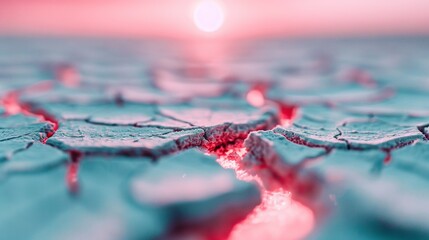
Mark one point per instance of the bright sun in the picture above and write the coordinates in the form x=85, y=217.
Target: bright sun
x=208, y=16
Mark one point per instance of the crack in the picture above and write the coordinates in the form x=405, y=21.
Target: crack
x=297, y=139
x=305, y=162
x=88, y=120
x=13, y=105
x=15, y=137
x=174, y=119
x=173, y=129
x=72, y=179
x=421, y=128
x=15, y=152
x=221, y=138
x=388, y=157
x=338, y=137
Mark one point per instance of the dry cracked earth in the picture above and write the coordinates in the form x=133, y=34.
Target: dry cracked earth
x=122, y=139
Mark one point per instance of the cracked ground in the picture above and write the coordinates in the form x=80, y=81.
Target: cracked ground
x=114, y=139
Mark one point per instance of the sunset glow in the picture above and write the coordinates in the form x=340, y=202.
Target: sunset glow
x=208, y=16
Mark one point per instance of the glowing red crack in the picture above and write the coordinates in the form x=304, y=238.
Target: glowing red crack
x=278, y=217
x=72, y=179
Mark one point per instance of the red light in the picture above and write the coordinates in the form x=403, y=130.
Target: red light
x=255, y=97
x=287, y=114
x=277, y=217
x=72, y=179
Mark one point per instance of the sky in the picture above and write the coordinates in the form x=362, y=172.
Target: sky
x=243, y=18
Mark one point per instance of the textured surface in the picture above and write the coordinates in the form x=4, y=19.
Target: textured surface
x=279, y=140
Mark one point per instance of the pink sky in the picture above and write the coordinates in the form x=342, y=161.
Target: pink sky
x=244, y=18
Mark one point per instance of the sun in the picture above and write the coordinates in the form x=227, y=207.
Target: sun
x=208, y=16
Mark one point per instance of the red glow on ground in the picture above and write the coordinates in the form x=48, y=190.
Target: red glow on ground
x=360, y=76
x=287, y=113
x=231, y=160
x=67, y=75
x=71, y=177
x=255, y=97
x=388, y=157
x=13, y=106
x=277, y=217
x=11, y=101
x=72, y=172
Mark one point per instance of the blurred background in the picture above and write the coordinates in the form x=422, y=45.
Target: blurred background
x=242, y=18
x=259, y=65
